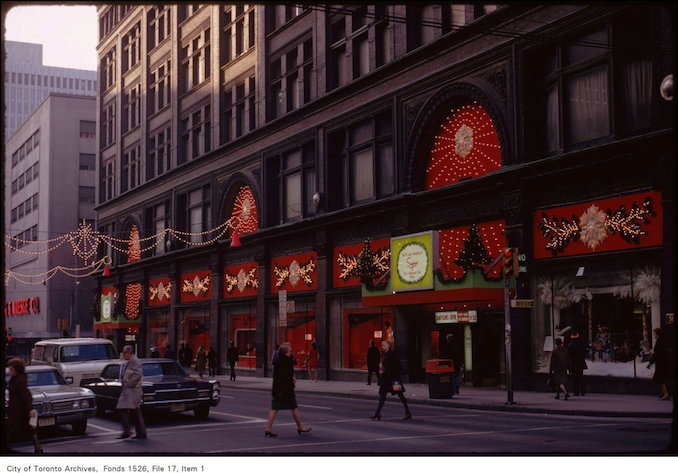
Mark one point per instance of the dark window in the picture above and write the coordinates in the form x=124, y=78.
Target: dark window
x=292, y=183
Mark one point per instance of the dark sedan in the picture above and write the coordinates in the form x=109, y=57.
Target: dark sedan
x=167, y=388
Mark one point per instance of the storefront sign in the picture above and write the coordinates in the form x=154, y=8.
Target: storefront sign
x=457, y=317
x=22, y=306
x=413, y=258
x=106, y=307
x=633, y=221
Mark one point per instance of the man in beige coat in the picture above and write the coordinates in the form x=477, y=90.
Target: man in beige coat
x=130, y=398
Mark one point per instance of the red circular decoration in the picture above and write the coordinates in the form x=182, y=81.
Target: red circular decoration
x=244, y=213
x=466, y=146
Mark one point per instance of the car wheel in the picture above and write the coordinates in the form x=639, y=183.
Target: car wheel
x=202, y=412
x=79, y=427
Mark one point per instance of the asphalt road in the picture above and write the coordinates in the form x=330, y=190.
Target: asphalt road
x=342, y=426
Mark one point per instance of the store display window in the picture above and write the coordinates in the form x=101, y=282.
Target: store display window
x=361, y=326
x=613, y=307
x=194, y=327
x=158, y=332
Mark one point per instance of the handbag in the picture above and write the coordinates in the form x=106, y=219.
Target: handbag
x=33, y=420
x=396, y=385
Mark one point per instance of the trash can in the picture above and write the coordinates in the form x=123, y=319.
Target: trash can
x=439, y=375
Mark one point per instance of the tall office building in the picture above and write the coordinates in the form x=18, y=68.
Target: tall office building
x=248, y=152
x=49, y=193
x=27, y=82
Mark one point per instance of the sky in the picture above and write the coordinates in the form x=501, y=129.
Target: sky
x=68, y=33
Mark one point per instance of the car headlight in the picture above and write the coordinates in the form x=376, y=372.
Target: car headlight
x=76, y=405
x=84, y=403
x=216, y=390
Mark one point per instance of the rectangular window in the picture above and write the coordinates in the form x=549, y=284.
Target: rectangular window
x=159, y=156
x=159, y=88
x=87, y=162
x=196, y=134
x=86, y=194
x=131, y=48
x=131, y=108
x=106, y=69
x=107, y=125
x=195, y=62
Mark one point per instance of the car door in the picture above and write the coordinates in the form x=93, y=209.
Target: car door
x=108, y=389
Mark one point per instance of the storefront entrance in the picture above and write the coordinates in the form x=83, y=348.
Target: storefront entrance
x=478, y=335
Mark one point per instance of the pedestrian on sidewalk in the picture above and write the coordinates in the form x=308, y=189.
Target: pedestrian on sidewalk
x=20, y=406
x=312, y=363
x=129, y=402
x=560, y=365
x=373, y=356
x=200, y=360
x=181, y=356
x=577, y=352
x=391, y=382
x=661, y=360
x=212, y=362
x=283, y=390
x=232, y=358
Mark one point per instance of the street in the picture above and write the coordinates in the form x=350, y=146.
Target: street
x=342, y=426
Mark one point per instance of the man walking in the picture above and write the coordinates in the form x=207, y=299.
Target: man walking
x=373, y=358
x=129, y=401
x=232, y=357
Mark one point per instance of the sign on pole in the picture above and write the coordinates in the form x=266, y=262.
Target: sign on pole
x=282, y=308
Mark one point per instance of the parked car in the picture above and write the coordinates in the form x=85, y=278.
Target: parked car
x=56, y=401
x=167, y=387
x=79, y=359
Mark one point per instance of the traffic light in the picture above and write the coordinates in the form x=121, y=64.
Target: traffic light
x=510, y=262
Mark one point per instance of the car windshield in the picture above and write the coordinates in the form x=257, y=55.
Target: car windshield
x=41, y=378
x=163, y=369
x=45, y=378
x=88, y=352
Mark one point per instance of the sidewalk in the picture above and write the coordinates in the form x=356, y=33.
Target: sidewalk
x=594, y=404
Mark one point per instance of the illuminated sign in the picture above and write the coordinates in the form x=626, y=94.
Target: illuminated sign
x=106, y=307
x=413, y=259
x=22, y=306
x=457, y=317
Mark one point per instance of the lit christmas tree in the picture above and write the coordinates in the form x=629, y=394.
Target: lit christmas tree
x=473, y=255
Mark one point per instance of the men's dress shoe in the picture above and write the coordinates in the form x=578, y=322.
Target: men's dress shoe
x=139, y=436
x=124, y=436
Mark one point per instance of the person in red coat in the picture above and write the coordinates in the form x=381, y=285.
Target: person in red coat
x=20, y=407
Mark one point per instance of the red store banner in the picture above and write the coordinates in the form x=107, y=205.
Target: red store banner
x=159, y=291
x=196, y=286
x=241, y=280
x=346, y=261
x=633, y=221
x=294, y=273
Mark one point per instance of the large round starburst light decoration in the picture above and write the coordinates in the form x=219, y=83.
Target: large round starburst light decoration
x=466, y=146
x=244, y=213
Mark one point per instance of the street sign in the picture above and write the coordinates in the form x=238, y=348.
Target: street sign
x=522, y=303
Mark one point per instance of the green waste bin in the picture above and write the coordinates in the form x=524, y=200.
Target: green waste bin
x=439, y=376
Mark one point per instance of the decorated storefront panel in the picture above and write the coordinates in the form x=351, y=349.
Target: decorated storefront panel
x=241, y=280
x=196, y=286
x=294, y=273
x=413, y=260
x=366, y=260
x=618, y=223
x=159, y=291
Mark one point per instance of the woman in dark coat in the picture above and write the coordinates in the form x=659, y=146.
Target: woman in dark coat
x=20, y=406
x=390, y=373
x=560, y=365
x=661, y=360
x=283, y=390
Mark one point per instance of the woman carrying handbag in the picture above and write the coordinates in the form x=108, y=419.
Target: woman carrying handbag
x=390, y=381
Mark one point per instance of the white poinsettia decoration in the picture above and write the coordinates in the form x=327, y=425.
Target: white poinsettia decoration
x=592, y=225
x=463, y=140
x=647, y=285
x=558, y=292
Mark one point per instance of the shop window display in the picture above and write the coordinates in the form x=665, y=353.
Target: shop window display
x=243, y=331
x=361, y=326
x=613, y=307
x=299, y=332
x=194, y=328
x=158, y=336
